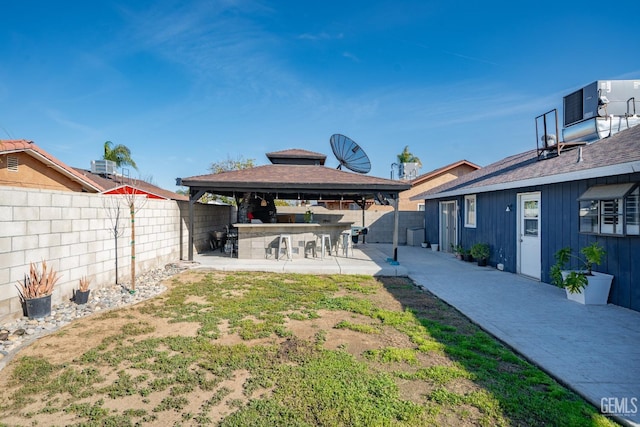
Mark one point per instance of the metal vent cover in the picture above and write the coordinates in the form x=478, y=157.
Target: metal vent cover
x=573, y=107
x=12, y=163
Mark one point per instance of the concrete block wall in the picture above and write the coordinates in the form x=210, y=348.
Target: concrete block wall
x=380, y=223
x=74, y=233
x=206, y=218
x=379, y=220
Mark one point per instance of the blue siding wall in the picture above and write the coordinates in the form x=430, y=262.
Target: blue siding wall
x=431, y=221
x=494, y=226
x=559, y=227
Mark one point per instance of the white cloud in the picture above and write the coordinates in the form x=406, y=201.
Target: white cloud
x=320, y=36
x=351, y=56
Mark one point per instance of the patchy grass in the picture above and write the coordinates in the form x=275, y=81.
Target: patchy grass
x=357, y=327
x=296, y=350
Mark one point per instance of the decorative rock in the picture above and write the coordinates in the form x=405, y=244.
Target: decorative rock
x=25, y=330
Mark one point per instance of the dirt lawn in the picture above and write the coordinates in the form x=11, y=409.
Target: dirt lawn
x=131, y=391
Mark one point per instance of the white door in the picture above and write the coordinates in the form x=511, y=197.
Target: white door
x=448, y=225
x=529, y=253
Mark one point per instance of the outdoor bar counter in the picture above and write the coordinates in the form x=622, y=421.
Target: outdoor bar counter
x=260, y=241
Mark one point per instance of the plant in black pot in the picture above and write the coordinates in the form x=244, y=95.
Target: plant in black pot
x=82, y=294
x=480, y=251
x=582, y=284
x=457, y=250
x=36, y=289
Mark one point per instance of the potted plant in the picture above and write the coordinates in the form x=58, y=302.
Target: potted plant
x=36, y=289
x=308, y=216
x=456, y=250
x=480, y=251
x=425, y=244
x=466, y=255
x=582, y=285
x=82, y=294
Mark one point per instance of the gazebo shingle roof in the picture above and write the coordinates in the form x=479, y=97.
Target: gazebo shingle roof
x=294, y=178
x=296, y=153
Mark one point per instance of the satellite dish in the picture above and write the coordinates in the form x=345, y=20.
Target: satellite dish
x=349, y=154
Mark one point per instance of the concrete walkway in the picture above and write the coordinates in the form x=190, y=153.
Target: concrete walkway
x=594, y=350
x=365, y=259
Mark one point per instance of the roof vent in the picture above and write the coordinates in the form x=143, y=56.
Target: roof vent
x=103, y=167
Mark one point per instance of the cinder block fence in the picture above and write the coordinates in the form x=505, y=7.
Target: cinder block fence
x=75, y=234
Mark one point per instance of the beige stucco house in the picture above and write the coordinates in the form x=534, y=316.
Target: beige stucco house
x=431, y=180
x=24, y=164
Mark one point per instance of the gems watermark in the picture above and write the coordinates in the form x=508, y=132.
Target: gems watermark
x=619, y=406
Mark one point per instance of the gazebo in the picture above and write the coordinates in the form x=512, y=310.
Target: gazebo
x=293, y=175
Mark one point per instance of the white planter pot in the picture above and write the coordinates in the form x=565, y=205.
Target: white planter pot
x=596, y=292
x=434, y=247
x=424, y=245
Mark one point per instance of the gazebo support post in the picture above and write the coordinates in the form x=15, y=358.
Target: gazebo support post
x=363, y=206
x=396, y=217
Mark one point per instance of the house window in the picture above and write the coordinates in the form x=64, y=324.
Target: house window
x=610, y=209
x=470, y=211
x=633, y=212
x=12, y=163
x=421, y=207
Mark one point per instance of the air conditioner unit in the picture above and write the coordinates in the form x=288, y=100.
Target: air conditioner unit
x=409, y=171
x=103, y=167
x=602, y=98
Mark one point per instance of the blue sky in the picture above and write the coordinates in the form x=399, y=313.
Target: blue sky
x=187, y=83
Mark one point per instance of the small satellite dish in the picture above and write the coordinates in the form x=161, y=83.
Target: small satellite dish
x=349, y=154
x=549, y=140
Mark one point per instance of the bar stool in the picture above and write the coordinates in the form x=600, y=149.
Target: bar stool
x=345, y=239
x=324, y=239
x=286, y=238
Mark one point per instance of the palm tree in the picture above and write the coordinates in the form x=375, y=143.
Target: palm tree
x=119, y=154
x=407, y=157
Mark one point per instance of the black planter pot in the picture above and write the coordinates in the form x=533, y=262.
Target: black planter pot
x=468, y=257
x=482, y=262
x=38, y=307
x=82, y=297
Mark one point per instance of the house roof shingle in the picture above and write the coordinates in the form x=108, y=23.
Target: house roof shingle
x=429, y=175
x=30, y=148
x=112, y=182
x=89, y=181
x=617, y=154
